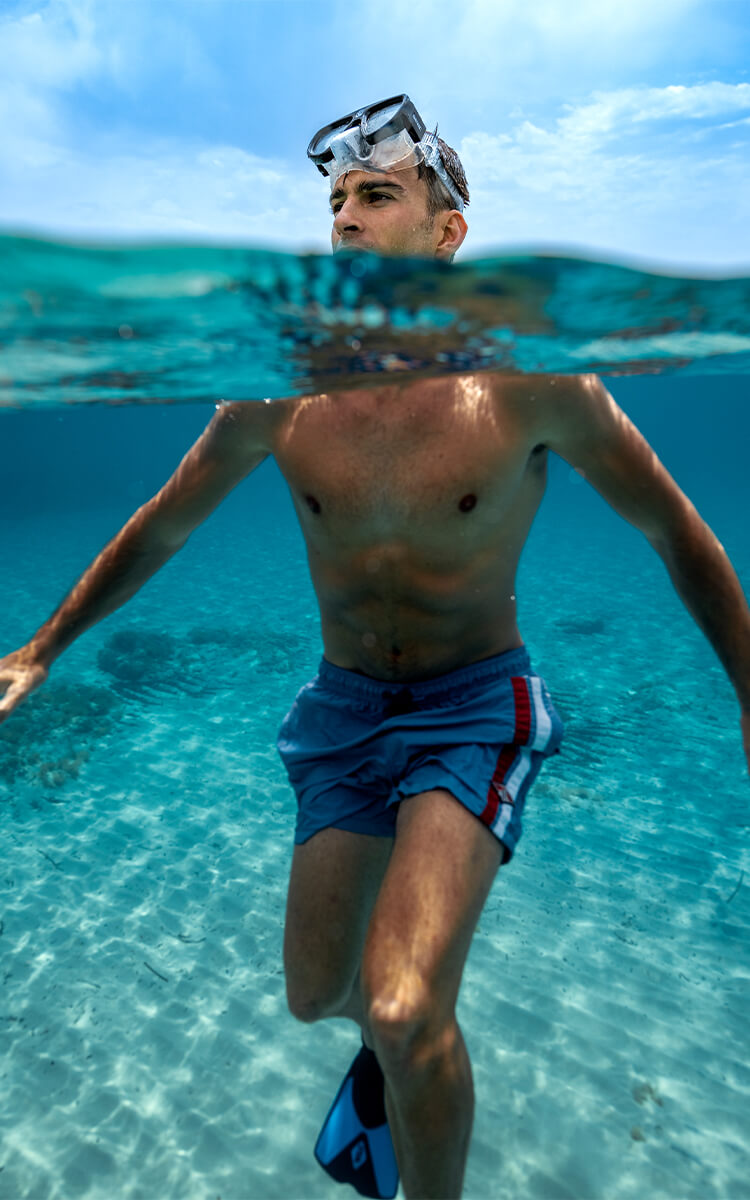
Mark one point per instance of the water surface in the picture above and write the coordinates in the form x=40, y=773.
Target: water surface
x=168, y=324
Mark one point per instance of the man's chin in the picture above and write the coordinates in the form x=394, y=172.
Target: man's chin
x=353, y=248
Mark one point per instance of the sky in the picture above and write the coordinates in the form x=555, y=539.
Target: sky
x=615, y=128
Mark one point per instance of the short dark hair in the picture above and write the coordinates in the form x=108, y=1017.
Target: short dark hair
x=438, y=198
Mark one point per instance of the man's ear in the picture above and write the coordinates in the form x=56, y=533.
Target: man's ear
x=452, y=229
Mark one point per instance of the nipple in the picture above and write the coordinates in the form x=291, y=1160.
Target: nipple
x=312, y=504
x=466, y=503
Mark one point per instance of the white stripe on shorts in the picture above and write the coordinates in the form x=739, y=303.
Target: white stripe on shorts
x=543, y=722
x=512, y=786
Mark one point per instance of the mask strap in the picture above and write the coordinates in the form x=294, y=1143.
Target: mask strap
x=433, y=158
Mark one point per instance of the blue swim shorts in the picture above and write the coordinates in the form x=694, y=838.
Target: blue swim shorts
x=354, y=746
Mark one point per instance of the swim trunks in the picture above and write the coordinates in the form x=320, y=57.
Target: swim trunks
x=354, y=746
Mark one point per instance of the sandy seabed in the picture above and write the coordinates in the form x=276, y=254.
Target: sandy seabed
x=146, y=830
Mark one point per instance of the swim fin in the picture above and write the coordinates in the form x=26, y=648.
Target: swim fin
x=354, y=1146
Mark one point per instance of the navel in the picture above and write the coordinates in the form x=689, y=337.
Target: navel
x=312, y=504
x=466, y=503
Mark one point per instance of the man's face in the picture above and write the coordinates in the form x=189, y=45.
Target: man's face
x=384, y=212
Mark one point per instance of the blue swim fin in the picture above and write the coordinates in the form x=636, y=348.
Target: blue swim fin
x=354, y=1146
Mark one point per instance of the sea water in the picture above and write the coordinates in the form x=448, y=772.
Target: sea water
x=145, y=820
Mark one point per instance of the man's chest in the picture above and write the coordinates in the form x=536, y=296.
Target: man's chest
x=424, y=456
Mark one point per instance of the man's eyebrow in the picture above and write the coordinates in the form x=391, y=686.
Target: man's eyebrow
x=368, y=185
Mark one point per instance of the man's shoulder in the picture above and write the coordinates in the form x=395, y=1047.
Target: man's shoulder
x=246, y=426
x=523, y=388
x=548, y=402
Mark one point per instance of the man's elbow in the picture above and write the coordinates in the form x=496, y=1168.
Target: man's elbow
x=159, y=527
x=682, y=534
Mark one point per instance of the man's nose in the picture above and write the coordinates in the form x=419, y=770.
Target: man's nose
x=347, y=218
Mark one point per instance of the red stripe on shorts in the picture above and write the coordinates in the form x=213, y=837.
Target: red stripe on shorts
x=508, y=753
x=523, y=709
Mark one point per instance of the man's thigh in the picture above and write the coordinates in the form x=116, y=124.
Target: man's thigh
x=334, y=881
x=442, y=867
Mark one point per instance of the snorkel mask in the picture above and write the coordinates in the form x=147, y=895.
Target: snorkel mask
x=386, y=136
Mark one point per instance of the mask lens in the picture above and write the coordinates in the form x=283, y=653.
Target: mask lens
x=376, y=122
x=348, y=148
x=321, y=142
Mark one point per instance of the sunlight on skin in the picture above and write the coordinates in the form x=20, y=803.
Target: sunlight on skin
x=475, y=404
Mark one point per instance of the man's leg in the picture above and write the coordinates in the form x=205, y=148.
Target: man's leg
x=440, y=872
x=334, y=880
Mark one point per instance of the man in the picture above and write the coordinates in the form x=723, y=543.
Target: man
x=413, y=749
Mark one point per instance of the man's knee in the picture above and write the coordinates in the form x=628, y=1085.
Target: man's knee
x=311, y=999
x=409, y=1026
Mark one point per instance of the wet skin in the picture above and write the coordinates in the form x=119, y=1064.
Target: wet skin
x=415, y=502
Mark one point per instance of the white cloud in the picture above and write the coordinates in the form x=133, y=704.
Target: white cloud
x=192, y=193
x=43, y=54
x=610, y=114
x=458, y=58
x=52, y=180
x=53, y=47
x=587, y=129
x=622, y=172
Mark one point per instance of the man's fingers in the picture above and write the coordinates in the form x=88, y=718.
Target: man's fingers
x=19, y=675
x=17, y=685
x=12, y=698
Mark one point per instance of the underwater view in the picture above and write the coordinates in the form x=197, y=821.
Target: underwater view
x=146, y=821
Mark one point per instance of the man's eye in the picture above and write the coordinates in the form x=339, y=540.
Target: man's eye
x=370, y=197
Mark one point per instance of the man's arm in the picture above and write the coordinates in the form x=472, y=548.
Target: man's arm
x=581, y=422
x=232, y=445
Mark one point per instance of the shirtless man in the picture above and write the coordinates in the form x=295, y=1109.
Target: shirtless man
x=413, y=749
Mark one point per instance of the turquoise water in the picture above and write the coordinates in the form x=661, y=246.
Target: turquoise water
x=191, y=324
x=146, y=822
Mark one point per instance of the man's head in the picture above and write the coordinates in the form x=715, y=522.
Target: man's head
x=395, y=188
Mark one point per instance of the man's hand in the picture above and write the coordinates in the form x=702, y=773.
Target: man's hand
x=745, y=726
x=21, y=674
